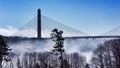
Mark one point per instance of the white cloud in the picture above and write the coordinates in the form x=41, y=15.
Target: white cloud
x=12, y=31
x=25, y=33
x=8, y=31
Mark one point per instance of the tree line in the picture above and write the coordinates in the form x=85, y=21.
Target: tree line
x=107, y=55
x=46, y=60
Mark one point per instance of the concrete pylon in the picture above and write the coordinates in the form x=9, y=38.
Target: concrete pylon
x=39, y=24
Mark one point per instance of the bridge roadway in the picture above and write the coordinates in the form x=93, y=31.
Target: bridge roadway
x=19, y=39
x=94, y=37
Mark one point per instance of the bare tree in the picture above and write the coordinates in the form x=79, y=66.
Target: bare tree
x=43, y=59
x=116, y=51
x=107, y=55
x=18, y=63
x=99, y=53
x=95, y=62
x=77, y=60
x=25, y=60
x=36, y=65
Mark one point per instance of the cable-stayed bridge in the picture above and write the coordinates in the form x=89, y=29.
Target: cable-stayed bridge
x=41, y=26
x=36, y=33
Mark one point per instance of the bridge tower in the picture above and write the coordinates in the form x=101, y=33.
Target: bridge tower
x=39, y=24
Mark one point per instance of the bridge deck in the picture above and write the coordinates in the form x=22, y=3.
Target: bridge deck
x=94, y=37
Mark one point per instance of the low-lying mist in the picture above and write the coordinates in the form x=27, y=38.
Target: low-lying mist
x=82, y=46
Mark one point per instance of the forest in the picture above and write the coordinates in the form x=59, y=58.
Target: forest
x=106, y=55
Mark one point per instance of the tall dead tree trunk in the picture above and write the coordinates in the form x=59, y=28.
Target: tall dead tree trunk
x=0, y=61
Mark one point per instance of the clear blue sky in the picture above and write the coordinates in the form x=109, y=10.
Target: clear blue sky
x=90, y=16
